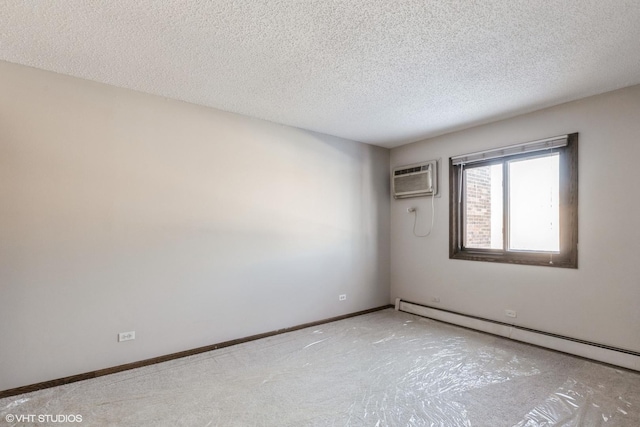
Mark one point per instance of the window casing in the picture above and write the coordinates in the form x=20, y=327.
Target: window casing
x=487, y=224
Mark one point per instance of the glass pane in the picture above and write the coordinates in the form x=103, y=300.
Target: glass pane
x=534, y=214
x=483, y=207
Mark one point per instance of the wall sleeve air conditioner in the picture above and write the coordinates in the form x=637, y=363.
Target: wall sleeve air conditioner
x=415, y=180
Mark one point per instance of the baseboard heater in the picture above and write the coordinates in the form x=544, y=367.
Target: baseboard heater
x=599, y=352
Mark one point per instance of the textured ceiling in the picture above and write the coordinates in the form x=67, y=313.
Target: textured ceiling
x=382, y=72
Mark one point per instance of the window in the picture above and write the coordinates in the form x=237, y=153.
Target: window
x=516, y=204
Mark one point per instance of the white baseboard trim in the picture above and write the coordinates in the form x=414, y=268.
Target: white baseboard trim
x=619, y=357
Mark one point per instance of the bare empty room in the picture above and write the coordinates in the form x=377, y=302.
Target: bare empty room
x=319, y=213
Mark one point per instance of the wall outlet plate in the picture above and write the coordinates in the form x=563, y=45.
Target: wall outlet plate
x=126, y=336
x=510, y=313
x=342, y=297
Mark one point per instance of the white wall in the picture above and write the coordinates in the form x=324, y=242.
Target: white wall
x=122, y=211
x=600, y=301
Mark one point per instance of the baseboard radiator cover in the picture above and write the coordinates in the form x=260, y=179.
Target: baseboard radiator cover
x=602, y=353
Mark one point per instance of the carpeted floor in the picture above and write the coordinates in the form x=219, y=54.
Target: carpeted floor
x=381, y=369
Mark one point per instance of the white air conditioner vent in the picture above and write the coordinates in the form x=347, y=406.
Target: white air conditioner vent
x=415, y=180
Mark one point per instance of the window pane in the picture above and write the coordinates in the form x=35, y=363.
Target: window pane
x=483, y=207
x=533, y=204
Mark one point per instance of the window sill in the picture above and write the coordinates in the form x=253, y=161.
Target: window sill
x=537, y=259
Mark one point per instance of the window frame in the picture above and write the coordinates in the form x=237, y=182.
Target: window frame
x=567, y=257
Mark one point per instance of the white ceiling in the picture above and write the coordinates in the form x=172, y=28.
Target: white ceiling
x=381, y=72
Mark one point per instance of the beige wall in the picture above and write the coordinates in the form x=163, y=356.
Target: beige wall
x=600, y=301
x=122, y=211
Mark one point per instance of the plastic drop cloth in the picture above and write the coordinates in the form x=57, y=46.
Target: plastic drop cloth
x=382, y=369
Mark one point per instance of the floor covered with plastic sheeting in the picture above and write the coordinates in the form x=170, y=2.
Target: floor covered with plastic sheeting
x=381, y=369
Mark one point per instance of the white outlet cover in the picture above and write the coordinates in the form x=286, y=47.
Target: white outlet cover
x=342, y=297
x=126, y=336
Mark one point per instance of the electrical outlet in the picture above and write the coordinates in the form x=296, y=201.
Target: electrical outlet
x=126, y=336
x=411, y=210
x=435, y=299
x=342, y=297
x=510, y=313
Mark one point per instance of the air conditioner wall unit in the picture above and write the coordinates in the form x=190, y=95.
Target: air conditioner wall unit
x=415, y=180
